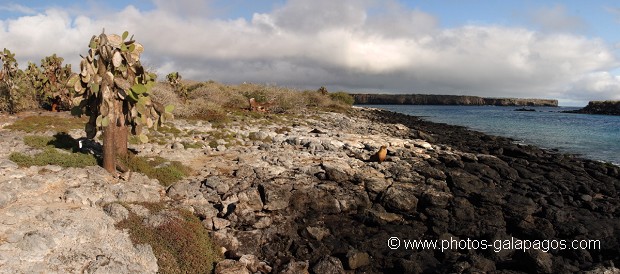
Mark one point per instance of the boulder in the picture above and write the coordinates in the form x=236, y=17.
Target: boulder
x=329, y=265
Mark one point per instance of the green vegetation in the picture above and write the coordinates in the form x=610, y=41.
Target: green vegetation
x=342, y=97
x=52, y=156
x=57, y=150
x=167, y=172
x=181, y=245
x=42, y=123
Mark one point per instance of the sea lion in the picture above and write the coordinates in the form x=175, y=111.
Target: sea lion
x=380, y=155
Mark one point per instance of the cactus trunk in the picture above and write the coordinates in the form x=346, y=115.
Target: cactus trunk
x=109, y=149
x=121, y=131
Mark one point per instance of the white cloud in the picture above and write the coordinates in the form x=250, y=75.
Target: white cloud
x=351, y=45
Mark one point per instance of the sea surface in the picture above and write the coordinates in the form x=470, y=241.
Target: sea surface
x=595, y=137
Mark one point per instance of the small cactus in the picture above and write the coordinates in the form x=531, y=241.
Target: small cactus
x=174, y=79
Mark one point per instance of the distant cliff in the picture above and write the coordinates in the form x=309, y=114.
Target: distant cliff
x=601, y=107
x=425, y=99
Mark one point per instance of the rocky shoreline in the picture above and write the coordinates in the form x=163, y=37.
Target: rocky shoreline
x=297, y=194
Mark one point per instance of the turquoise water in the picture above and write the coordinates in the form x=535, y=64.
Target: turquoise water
x=595, y=137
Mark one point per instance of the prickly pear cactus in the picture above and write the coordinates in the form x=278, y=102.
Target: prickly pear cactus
x=174, y=79
x=111, y=78
x=8, y=76
x=52, y=80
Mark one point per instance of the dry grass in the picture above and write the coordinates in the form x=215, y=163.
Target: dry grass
x=215, y=102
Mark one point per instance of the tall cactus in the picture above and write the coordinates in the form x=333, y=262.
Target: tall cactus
x=113, y=89
x=8, y=76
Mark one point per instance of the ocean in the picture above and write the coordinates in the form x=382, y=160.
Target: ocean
x=595, y=137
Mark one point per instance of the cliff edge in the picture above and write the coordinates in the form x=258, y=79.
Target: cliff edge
x=428, y=99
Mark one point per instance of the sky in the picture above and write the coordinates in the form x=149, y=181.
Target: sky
x=565, y=50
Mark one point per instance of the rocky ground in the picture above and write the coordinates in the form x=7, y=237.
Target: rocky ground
x=297, y=194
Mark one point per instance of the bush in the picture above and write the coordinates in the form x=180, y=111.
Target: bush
x=52, y=156
x=342, y=97
x=59, y=150
x=181, y=245
x=158, y=168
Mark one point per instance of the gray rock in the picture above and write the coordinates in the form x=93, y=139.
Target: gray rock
x=184, y=190
x=216, y=183
x=542, y=261
x=295, y=267
x=276, y=195
x=116, y=211
x=337, y=171
x=205, y=211
x=437, y=198
x=357, y=259
x=250, y=199
x=6, y=164
x=225, y=239
x=219, y=223
x=231, y=267
x=382, y=217
x=253, y=264
x=178, y=146
x=263, y=222
x=329, y=265
x=221, y=148
x=139, y=210
x=207, y=223
x=6, y=198
x=586, y=198
x=604, y=270
x=318, y=233
x=401, y=196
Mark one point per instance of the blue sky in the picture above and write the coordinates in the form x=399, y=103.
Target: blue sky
x=566, y=50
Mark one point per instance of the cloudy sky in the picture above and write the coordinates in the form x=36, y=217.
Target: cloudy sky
x=567, y=50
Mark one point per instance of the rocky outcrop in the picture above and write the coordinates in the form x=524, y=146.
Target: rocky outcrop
x=601, y=107
x=427, y=99
x=292, y=195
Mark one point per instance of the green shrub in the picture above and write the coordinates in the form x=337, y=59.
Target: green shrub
x=52, y=153
x=342, y=97
x=52, y=156
x=158, y=168
x=180, y=245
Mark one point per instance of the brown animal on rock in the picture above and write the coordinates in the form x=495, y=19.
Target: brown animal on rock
x=380, y=155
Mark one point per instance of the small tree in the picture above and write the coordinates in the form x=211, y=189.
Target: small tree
x=113, y=90
x=8, y=76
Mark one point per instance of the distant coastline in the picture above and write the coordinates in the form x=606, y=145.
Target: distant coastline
x=429, y=99
x=600, y=107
